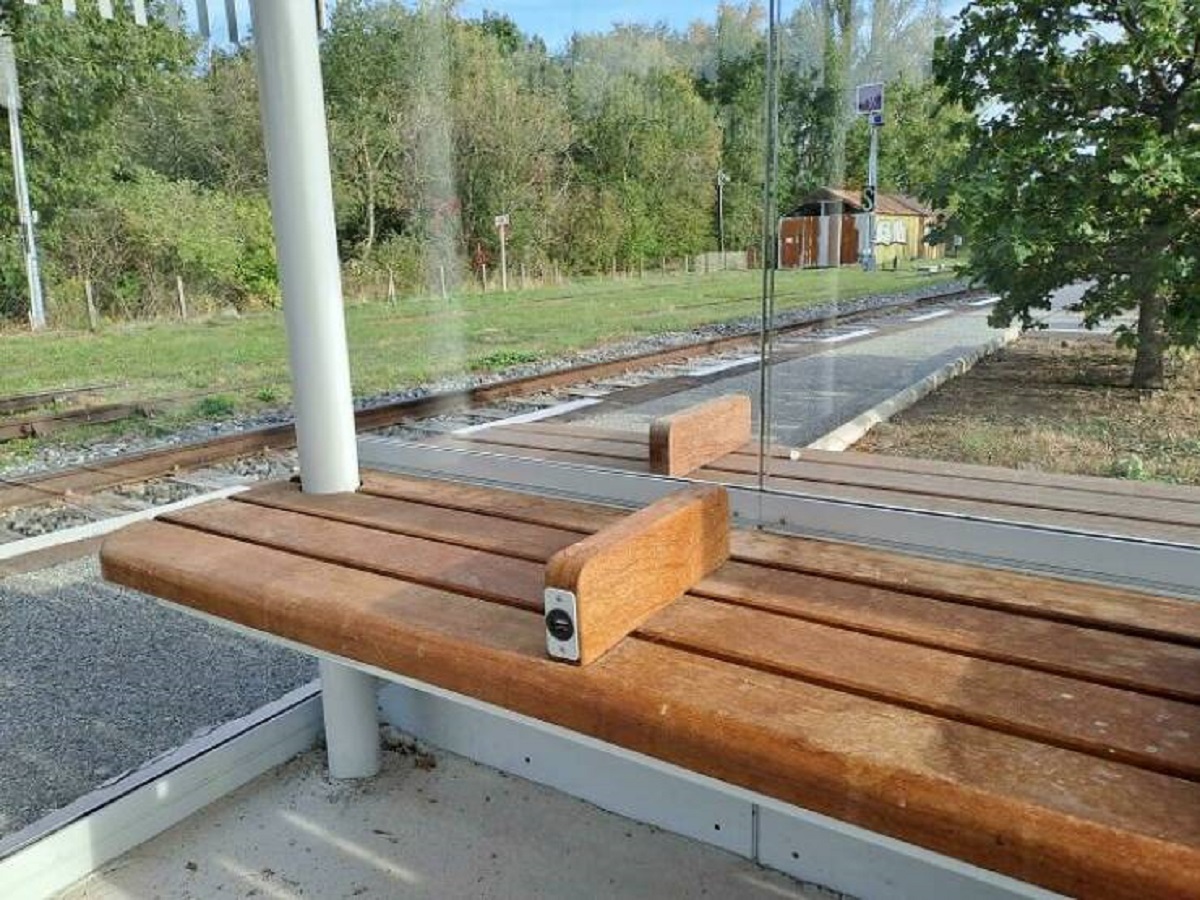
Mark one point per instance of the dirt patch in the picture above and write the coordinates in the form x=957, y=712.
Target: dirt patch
x=1057, y=405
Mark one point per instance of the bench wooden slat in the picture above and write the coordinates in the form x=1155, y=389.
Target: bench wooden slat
x=525, y=540
x=1095, y=606
x=742, y=471
x=1090, y=605
x=1054, y=817
x=1105, y=657
x=1116, y=660
x=1166, y=520
x=1171, y=494
x=1149, y=732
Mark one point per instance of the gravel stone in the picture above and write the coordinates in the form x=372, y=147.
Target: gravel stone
x=97, y=680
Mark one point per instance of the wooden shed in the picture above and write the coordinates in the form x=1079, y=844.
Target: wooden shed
x=829, y=228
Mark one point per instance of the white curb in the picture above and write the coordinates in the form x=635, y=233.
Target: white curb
x=852, y=432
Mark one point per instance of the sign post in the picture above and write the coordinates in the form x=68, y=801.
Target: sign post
x=10, y=99
x=869, y=104
x=502, y=223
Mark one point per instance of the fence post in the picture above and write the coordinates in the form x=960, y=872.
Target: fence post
x=485, y=280
x=181, y=296
x=93, y=315
x=391, y=292
x=442, y=276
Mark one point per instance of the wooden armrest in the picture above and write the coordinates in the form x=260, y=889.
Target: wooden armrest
x=602, y=588
x=684, y=441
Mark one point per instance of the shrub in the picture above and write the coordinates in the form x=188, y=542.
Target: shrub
x=144, y=231
x=217, y=407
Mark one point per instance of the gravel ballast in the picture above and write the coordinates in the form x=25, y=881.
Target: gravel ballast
x=97, y=680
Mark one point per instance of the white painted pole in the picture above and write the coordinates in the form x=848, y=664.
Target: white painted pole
x=504, y=258
x=25, y=219
x=293, y=115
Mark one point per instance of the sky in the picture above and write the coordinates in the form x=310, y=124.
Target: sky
x=555, y=20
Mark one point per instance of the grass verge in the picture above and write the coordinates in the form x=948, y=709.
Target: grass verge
x=242, y=362
x=1057, y=405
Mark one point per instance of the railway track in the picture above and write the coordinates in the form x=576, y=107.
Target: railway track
x=73, y=484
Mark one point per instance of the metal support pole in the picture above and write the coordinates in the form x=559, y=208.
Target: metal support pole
x=769, y=245
x=25, y=218
x=873, y=184
x=293, y=115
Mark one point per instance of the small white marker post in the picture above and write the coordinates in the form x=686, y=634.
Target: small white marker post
x=502, y=223
x=181, y=297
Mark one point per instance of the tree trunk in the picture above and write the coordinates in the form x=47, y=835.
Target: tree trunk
x=1148, y=368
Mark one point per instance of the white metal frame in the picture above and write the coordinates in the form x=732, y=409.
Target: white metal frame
x=1150, y=565
x=55, y=852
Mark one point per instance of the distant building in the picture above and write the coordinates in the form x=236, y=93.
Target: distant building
x=829, y=228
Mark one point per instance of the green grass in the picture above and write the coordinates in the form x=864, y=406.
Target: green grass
x=244, y=360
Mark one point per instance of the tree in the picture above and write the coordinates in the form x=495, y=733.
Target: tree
x=732, y=78
x=1084, y=161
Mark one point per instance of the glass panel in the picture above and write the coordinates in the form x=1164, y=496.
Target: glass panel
x=942, y=167
x=701, y=200
x=839, y=146
x=146, y=177
x=517, y=193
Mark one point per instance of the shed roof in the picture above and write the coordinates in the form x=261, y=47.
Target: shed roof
x=851, y=201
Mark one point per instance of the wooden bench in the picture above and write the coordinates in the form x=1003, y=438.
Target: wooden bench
x=1169, y=513
x=1043, y=729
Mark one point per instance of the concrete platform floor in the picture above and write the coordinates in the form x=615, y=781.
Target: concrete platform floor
x=436, y=826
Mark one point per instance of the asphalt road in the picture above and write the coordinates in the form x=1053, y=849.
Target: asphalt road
x=96, y=680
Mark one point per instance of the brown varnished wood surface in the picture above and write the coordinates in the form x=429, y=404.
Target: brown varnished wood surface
x=1008, y=697
x=684, y=441
x=632, y=568
x=1015, y=735
x=1086, y=653
x=1108, y=608
x=1090, y=504
x=1170, y=493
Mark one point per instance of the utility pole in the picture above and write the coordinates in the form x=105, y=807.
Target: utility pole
x=871, y=194
x=722, y=180
x=10, y=97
